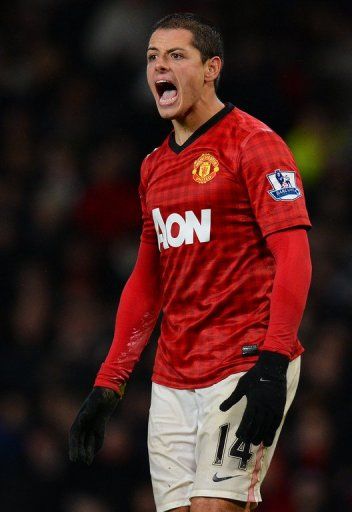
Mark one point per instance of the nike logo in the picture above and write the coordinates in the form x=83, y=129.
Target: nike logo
x=217, y=478
x=264, y=380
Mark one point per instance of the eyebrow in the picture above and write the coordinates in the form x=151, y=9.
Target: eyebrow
x=168, y=51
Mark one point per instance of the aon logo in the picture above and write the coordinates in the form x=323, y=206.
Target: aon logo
x=187, y=228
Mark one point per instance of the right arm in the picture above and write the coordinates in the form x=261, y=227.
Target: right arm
x=137, y=313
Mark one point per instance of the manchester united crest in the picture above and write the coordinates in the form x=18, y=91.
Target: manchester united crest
x=205, y=168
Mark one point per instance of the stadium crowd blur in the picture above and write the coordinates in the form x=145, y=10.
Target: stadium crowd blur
x=76, y=121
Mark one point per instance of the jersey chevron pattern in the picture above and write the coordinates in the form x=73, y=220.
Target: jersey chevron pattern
x=207, y=206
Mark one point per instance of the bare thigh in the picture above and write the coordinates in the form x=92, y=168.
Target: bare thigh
x=215, y=505
x=179, y=509
x=199, y=504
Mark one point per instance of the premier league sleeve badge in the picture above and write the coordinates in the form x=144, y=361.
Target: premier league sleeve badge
x=284, y=185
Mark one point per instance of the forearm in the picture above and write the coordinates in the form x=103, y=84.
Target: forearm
x=137, y=313
x=290, y=289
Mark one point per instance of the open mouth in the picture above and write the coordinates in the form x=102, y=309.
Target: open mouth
x=167, y=92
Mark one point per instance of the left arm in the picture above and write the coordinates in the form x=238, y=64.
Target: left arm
x=290, y=249
x=264, y=384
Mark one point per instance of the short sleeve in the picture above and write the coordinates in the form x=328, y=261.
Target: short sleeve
x=273, y=182
x=148, y=234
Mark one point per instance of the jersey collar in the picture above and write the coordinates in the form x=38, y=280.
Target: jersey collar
x=176, y=148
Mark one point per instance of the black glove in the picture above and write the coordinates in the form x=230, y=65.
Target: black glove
x=88, y=429
x=264, y=385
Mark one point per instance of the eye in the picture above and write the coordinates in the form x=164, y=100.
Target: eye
x=151, y=57
x=177, y=56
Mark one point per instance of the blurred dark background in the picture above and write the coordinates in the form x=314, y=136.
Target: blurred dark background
x=76, y=121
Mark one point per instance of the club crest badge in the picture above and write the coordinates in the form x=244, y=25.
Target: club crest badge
x=284, y=185
x=205, y=168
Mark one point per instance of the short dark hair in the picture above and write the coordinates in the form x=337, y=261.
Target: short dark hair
x=206, y=36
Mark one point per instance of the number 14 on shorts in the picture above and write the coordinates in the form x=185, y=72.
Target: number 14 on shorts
x=238, y=449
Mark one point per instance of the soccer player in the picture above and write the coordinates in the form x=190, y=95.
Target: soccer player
x=224, y=254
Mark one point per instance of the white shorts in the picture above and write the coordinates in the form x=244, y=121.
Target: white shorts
x=192, y=446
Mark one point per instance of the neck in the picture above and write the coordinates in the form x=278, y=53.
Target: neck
x=197, y=115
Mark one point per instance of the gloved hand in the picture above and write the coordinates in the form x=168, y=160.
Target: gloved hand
x=264, y=385
x=87, y=432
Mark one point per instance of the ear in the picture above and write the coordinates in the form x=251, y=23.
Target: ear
x=212, y=69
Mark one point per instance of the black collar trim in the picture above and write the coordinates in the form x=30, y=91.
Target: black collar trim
x=176, y=148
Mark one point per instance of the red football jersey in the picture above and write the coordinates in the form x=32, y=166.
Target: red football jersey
x=208, y=205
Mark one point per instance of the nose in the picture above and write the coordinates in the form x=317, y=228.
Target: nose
x=161, y=64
